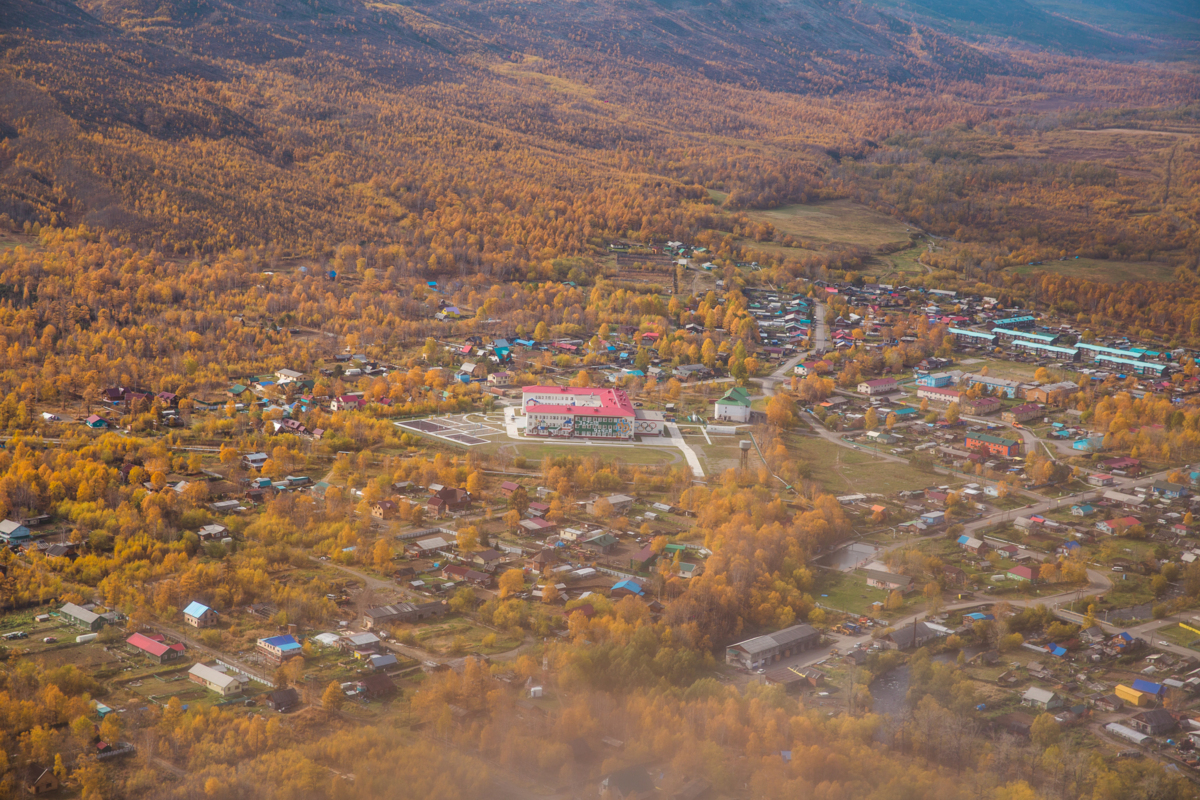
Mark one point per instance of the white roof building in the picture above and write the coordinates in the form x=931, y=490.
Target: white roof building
x=220, y=682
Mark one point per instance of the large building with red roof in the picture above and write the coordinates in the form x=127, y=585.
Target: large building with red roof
x=568, y=413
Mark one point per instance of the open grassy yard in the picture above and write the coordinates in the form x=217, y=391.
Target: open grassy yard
x=161, y=688
x=847, y=591
x=1180, y=636
x=460, y=636
x=643, y=453
x=841, y=470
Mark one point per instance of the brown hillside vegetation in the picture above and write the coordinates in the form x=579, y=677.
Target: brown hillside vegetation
x=503, y=134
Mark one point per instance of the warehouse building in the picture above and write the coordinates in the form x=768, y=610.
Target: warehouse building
x=757, y=652
x=86, y=618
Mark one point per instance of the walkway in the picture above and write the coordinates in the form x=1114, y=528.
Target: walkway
x=676, y=439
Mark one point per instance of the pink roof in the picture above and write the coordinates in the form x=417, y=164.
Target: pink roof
x=1021, y=572
x=941, y=390
x=145, y=643
x=881, y=382
x=613, y=402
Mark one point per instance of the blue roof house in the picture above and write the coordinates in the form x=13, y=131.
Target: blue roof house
x=627, y=587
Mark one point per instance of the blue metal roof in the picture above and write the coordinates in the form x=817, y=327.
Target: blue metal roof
x=196, y=609
x=1036, y=337
x=1137, y=365
x=1148, y=687
x=1112, y=351
x=1033, y=345
x=975, y=334
x=285, y=642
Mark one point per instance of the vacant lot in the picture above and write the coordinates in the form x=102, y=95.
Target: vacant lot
x=1098, y=269
x=1180, y=636
x=644, y=453
x=847, y=592
x=840, y=470
x=835, y=222
x=459, y=637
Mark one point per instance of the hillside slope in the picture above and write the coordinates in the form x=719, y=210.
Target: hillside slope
x=201, y=124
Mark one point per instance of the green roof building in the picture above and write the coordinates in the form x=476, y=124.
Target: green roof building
x=734, y=406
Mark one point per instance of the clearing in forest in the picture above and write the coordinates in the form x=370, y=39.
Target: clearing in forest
x=835, y=221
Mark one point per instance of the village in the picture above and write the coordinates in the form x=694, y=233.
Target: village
x=949, y=429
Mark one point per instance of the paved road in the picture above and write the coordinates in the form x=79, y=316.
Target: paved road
x=676, y=438
x=820, y=338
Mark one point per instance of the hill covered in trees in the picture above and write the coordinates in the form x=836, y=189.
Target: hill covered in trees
x=199, y=126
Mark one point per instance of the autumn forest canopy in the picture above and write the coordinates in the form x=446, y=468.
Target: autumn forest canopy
x=198, y=194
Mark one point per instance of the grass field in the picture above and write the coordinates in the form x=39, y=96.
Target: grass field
x=1101, y=270
x=835, y=221
x=902, y=261
x=839, y=470
x=847, y=591
x=455, y=634
x=640, y=454
x=775, y=248
x=1179, y=636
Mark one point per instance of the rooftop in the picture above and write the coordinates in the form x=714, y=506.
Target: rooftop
x=570, y=400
